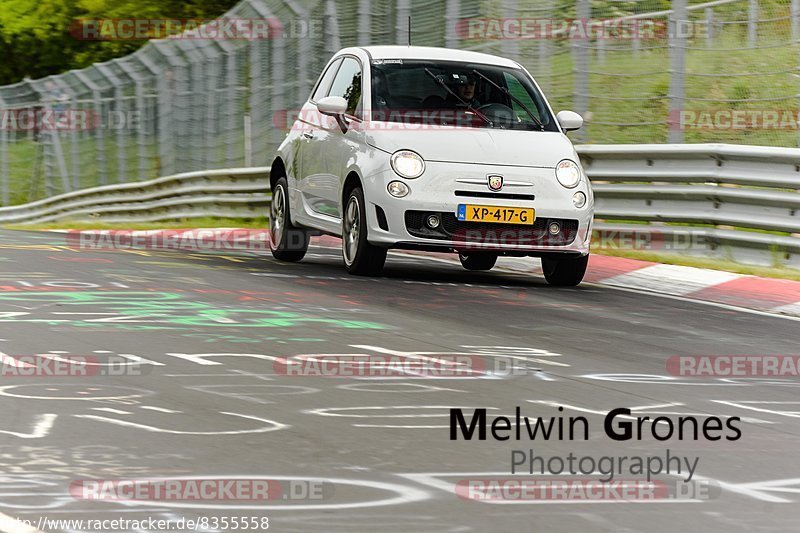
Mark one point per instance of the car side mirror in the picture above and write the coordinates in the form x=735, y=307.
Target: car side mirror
x=332, y=105
x=569, y=120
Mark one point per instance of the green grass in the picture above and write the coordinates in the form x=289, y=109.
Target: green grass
x=26, y=172
x=625, y=87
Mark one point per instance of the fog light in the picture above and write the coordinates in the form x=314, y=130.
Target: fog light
x=433, y=221
x=579, y=199
x=554, y=228
x=398, y=189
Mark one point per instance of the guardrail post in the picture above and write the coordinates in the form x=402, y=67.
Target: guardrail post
x=794, y=9
x=544, y=52
x=4, y=178
x=52, y=100
x=752, y=23
x=73, y=135
x=212, y=115
x=403, y=12
x=141, y=134
x=167, y=133
x=196, y=114
x=451, y=12
x=709, y=27
x=278, y=103
x=364, y=22
x=254, y=94
x=303, y=57
x=509, y=47
x=581, y=70
x=233, y=88
x=100, y=122
x=116, y=83
x=677, y=53
x=332, y=28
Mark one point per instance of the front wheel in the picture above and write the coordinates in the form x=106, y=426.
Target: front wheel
x=564, y=271
x=286, y=242
x=479, y=261
x=360, y=257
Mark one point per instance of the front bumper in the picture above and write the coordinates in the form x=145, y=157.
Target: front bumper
x=400, y=222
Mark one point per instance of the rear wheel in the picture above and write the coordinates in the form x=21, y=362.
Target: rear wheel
x=479, y=261
x=564, y=271
x=287, y=242
x=360, y=257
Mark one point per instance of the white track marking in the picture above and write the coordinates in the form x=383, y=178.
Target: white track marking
x=41, y=428
x=160, y=409
x=271, y=425
x=10, y=525
x=111, y=410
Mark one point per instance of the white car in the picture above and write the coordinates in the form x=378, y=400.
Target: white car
x=433, y=149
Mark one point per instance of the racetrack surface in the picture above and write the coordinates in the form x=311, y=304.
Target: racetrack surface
x=211, y=402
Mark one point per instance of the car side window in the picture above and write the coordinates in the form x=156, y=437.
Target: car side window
x=325, y=81
x=347, y=84
x=516, y=88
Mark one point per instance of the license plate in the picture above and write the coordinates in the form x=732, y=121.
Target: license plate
x=492, y=213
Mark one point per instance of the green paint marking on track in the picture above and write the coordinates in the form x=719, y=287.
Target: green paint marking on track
x=157, y=310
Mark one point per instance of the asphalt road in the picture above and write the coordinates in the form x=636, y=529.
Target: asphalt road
x=208, y=399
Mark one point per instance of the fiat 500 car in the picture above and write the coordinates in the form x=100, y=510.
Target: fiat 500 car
x=432, y=149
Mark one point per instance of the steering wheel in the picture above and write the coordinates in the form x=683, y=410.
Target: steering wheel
x=499, y=113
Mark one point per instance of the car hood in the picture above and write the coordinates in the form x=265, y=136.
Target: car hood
x=478, y=145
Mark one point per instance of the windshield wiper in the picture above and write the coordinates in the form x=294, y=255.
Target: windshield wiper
x=517, y=100
x=464, y=102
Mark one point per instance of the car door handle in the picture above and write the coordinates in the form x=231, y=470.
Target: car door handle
x=307, y=135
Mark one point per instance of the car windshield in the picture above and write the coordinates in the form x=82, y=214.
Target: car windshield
x=457, y=94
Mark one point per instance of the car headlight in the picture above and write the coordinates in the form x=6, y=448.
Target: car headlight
x=407, y=164
x=568, y=173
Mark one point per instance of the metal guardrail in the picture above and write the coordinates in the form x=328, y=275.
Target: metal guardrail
x=717, y=200
x=235, y=192
x=725, y=201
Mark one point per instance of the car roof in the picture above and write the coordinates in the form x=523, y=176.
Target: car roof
x=441, y=54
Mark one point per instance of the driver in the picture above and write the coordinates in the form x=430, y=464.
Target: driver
x=464, y=86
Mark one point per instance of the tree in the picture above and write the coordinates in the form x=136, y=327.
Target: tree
x=35, y=34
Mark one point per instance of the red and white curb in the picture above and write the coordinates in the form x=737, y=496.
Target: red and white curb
x=771, y=295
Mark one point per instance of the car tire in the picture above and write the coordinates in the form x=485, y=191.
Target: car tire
x=287, y=242
x=479, y=261
x=360, y=257
x=564, y=271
